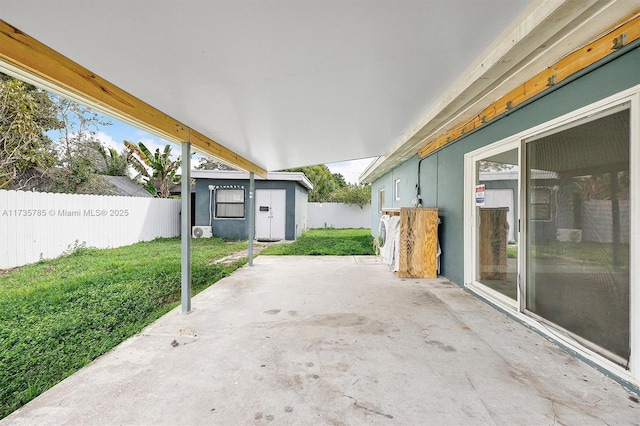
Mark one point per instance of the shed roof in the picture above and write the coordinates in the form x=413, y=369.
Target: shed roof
x=299, y=177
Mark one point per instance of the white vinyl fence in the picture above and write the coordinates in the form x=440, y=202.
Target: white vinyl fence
x=35, y=225
x=597, y=218
x=338, y=215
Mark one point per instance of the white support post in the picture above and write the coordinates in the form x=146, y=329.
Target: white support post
x=252, y=215
x=186, y=227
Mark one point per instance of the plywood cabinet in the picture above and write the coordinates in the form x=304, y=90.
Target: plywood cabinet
x=418, y=242
x=493, y=243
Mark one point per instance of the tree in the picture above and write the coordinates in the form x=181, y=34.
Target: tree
x=324, y=182
x=163, y=168
x=339, y=180
x=332, y=187
x=78, y=147
x=115, y=164
x=603, y=186
x=26, y=113
x=45, y=113
x=494, y=166
x=359, y=195
x=210, y=164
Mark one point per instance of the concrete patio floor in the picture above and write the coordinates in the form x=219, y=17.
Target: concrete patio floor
x=334, y=340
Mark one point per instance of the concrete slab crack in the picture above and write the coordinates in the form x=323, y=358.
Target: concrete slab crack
x=358, y=405
x=487, y=409
x=555, y=415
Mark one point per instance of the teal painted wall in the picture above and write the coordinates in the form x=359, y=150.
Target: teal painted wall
x=407, y=172
x=238, y=228
x=428, y=179
x=442, y=173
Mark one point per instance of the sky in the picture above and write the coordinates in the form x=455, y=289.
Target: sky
x=351, y=170
x=114, y=135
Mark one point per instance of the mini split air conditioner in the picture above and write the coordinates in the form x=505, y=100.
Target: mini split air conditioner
x=201, y=232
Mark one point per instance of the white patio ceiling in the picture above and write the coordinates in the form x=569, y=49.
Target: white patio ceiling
x=280, y=83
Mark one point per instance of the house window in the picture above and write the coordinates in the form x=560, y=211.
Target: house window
x=396, y=189
x=230, y=203
x=540, y=204
x=381, y=200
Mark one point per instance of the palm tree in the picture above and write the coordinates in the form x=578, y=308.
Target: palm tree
x=115, y=164
x=163, y=169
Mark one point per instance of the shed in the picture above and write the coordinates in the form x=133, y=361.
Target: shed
x=222, y=205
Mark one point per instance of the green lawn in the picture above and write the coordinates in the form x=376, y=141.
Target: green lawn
x=329, y=241
x=584, y=252
x=58, y=315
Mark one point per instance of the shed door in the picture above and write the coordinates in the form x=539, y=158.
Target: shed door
x=270, y=214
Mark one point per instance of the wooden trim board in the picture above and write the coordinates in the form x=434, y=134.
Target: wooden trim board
x=569, y=65
x=33, y=58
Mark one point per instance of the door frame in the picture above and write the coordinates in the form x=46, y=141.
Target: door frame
x=632, y=96
x=472, y=222
x=269, y=192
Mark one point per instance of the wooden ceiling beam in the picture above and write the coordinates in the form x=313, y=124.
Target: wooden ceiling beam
x=622, y=33
x=53, y=71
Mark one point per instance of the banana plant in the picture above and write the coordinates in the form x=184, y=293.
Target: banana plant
x=115, y=164
x=158, y=168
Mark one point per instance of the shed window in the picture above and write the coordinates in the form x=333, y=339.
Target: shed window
x=396, y=186
x=540, y=204
x=230, y=203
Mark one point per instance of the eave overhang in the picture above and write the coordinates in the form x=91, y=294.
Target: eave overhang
x=544, y=34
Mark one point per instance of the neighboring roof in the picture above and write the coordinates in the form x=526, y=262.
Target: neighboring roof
x=122, y=185
x=40, y=180
x=299, y=177
x=514, y=174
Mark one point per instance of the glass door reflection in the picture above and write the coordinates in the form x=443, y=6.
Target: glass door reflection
x=497, y=251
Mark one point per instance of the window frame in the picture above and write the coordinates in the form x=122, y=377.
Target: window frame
x=534, y=202
x=217, y=203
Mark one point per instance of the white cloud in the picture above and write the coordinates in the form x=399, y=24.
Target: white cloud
x=351, y=170
x=109, y=142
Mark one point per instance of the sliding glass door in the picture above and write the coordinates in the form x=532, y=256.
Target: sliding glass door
x=550, y=219
x=577, y=230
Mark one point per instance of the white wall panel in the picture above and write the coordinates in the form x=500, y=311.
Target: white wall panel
x=338, y=215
